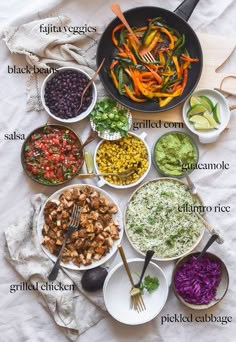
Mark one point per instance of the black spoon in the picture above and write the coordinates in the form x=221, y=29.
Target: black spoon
x=208, y=244
x=148, y=258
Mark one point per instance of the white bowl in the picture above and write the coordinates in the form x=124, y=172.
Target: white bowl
x=80, y=116
x=102, y=180
x=211, y=135
x=116, y=291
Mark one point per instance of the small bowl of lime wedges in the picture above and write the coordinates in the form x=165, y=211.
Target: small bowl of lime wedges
x=206, y=113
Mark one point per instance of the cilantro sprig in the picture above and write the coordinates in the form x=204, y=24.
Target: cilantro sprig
x=150, y=284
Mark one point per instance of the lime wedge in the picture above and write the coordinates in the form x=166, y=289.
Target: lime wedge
x=216, y=113
x=194, y=100
x=210, y=119
x=199, y=119
x=207, y=103
x=202, y=127
x=88, y=161
x=196, y=109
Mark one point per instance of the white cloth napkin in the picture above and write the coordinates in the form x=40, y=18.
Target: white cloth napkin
x=75, y=311
x=53, y=50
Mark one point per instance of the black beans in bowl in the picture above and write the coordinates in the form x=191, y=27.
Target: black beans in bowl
x=61, y=94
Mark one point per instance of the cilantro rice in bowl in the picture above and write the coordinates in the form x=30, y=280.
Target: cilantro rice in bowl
x=154, y=219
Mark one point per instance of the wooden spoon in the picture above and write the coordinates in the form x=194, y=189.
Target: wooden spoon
x=117, y=10
x=92, y=136
x=89, y=83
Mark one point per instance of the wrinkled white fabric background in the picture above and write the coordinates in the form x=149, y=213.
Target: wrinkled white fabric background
x=23, y=316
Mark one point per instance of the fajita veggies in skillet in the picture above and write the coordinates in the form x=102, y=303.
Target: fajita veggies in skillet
x=162, y=80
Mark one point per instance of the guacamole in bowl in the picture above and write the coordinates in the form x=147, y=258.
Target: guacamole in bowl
x=173, y=153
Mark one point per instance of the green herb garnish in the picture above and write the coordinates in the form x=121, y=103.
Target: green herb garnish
x=38, y=136
x=107, y=116
x=150, y=284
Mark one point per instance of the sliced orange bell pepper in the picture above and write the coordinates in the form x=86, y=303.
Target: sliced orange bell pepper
x=132, y=96
x=135, y=84
x=155, y=74
x=122, y=54
x=114, y=62
x=118, y=27
x=130, y=54
x=189, y=59
x=177, y=67
x=185, y=78
x=154, y=42
x=170, y=36
x=161, y=58
x=113, y=76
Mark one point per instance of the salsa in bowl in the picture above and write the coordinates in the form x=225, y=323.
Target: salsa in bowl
x=51, y=155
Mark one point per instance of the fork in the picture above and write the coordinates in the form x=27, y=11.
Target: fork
x=72, y=227
x=136, y=302
x=145, y=55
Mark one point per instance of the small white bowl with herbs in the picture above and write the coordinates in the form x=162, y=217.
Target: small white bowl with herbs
x=111, y=120
x=206, y=113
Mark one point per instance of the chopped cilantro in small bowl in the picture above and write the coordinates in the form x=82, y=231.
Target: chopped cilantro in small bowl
x=111, y=120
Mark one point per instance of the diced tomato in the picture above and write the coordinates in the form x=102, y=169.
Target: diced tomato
x=49, y=153
x=56, y=141
x=34, y=171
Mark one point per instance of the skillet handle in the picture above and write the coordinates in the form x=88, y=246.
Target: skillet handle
x=185, y=9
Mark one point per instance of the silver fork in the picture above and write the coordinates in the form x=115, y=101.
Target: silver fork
x=72, y=227
x=145, y=55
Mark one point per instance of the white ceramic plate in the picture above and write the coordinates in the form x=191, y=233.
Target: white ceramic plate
x=70, y=265
x=210, y=135
x=116, y=291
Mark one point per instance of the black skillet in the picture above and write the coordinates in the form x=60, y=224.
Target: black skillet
x=137, y=17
